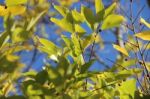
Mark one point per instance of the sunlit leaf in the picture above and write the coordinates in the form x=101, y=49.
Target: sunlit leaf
x=15, y=2
x=64, y=24
x=77, y=44
x=77, y=16
x=3, y=11
x=120, y=49
x=30, y=73
x=144, y=22
x=99, y=7
x=124, y=89
x=128, y=63
x=144, y=35
x=79, y=30
x=13, y=10
x=62, y=10
x=112, y=21
x=110, y=10
x=49, y=46
x=12, y=58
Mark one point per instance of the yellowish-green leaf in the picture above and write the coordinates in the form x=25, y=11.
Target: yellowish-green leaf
x=77, y=16
x=75, y=40
x=124, y=89
x=145, y=35
x=64, y=24
x=112, y=21
x=62, y=10
x=110, y=10
x=34, y=20
x=79, y=29
x=99, y=7
x=120, y=49
x=12, y=58
x=3, y=36
x=15, y=2
x=144, y=22
x=49, y=47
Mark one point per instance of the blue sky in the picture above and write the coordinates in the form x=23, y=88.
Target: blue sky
x=107, y=52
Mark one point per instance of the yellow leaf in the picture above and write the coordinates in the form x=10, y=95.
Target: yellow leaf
x=17, y=10
x=120, y=49
x=13, y=10
x=145, y=35
x=3, y=10
x=144, y=22
x=15, y=2
x=12, y=58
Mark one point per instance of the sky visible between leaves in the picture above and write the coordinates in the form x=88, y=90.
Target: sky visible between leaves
x=107, y=52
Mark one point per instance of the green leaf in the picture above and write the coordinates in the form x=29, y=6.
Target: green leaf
x=3, y=36
x=89, y=16
x=100, y=11
x=110, y=10
x=86, y=66
x=55, y=76
x=144, y=35
x=144, y=22
x=62, y=10
x=63, y=66
x=41, y=77
x=29, y=74
x=85, y=75
x=15, y=2
x=120, y=49
x=15, y=97
x=127, y=73
x=64, y=24
x=31, y=88
x=112, y=21
x=67, y=41
x=20, y=35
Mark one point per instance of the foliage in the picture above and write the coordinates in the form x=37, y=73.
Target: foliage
x=67, y=73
